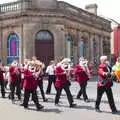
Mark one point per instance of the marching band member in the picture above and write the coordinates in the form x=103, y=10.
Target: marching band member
x=51, y=76
x=39, y=74
x=24, y=66
x=30, y=86
x=2, y=80
x=15, y=76
x=82, y=75
x=62, y=82
x=7, y=76
x=104, y=84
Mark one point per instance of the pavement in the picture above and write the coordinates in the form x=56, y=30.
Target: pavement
x=83, y=111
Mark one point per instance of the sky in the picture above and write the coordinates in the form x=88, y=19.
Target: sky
x=106, y=8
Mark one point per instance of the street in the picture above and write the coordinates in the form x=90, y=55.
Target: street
x=83, y=111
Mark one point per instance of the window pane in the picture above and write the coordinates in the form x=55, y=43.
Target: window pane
x=44, y=35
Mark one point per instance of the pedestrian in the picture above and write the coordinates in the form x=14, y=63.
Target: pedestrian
x=51, y=76
x=104, y=84
x=82, y=75
x=62, y=82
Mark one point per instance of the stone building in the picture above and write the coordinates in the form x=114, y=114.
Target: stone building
x=49, y=29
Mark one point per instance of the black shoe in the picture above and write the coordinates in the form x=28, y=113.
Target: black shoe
x=40, y=107
x=114, y=111
x=21, y=104
x=9, y=97
x=13, y=101
x=48, y=93
x=97, y=110
x=78, y=98
x=3, y=96
x=45, y=100
x=19, y=98
x=26, y=108
x=72, y=105
x=56, y=104
x=87, y=100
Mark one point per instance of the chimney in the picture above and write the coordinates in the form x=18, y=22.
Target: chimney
x=92, y=8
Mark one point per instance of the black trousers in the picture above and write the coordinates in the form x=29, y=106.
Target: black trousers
x=27, y=93
x=83, y=90
x=51, y=79
x=40, y=84
x=5, y=84
x=108, y=90
x=15, y=86
x=67, y=90
x=2, y=88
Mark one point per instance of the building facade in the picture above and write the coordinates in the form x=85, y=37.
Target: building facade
x=49, y=29
x=116, y=39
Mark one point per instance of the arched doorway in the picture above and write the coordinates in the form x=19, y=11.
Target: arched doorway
x=44, y=46
x=12, y=48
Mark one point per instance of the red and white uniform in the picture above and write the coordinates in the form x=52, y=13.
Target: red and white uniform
x=81, y=75
x=30, y=81
x=61, y=77
x=102, y=74
x=13, y=74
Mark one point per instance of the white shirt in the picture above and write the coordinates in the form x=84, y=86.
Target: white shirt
x=50, y=70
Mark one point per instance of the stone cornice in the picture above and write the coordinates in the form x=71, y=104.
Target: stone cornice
x=48, y=14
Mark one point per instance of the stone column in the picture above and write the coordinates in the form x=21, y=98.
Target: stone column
x=79, y=39
x=75, y=46
x=59, y=33
x=28, y=41
x=22, y=44
x=101, y=45
x=86, y=38
x=91, y=46
x=98, y=46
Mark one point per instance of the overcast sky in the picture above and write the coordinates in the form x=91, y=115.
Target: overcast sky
x=108, y=8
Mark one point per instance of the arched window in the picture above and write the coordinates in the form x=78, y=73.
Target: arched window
x=44, y=35
x=69, y=46
x=13, y=47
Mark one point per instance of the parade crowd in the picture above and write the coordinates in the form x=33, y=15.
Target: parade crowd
x=26, y=78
